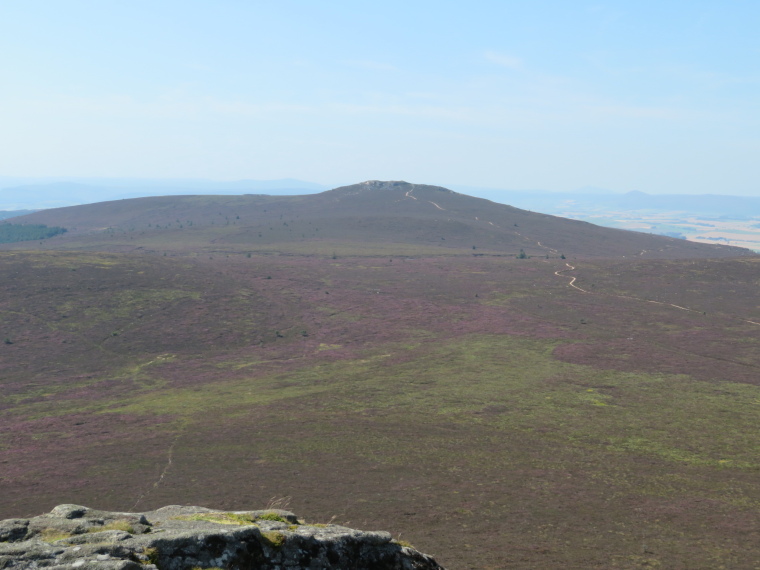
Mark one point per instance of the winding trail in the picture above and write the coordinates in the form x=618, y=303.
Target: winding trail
x=408, y=194
x=527, y=239
x=169, y=455
x=572, y=279
x=572, y=284
x=547, y=247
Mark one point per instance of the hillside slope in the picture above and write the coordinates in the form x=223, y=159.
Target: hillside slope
x=373, y=211
x=489, y=412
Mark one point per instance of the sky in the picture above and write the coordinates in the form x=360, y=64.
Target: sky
x=656, y=96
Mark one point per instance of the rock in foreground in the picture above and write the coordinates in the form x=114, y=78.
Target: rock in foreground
x=185, y=538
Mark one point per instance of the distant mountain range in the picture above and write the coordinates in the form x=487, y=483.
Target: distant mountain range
x=589, y=201
x=21, y=193
x=14, y=213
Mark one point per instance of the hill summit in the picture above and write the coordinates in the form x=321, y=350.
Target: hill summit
x=374, y=211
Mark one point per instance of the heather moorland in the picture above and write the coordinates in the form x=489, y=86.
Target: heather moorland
x=520, y=398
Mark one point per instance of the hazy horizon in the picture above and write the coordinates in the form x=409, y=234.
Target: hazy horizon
x=131, y=183
x=547, y=95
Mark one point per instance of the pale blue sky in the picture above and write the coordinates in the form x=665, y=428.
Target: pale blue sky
x=662, y=97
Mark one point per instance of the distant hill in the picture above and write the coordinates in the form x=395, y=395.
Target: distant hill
x=596, y=200
x=41, y=193
x=374, y=211
x=706, y=204
x=5, y=214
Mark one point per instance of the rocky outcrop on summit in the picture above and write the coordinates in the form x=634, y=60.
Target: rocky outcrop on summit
x=180, y=538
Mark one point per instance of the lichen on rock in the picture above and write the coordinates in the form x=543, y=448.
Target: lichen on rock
x=184, y=538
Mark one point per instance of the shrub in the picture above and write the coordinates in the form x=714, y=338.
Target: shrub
x=152, y=555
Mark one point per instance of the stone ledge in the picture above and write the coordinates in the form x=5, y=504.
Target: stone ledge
x=188, y=538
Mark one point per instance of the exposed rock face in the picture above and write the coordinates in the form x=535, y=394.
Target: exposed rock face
x=185, y=538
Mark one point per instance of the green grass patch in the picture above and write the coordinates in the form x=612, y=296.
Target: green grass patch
x=219, y=518
x=233, y=518
x=53, y=534
x=152, y=555
x=272, y=517
x=515, y=385
x=125, y=526
x=139, y=373
x=508, y=383
x=233, y=397
x=274, y=538
x=499, y=298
